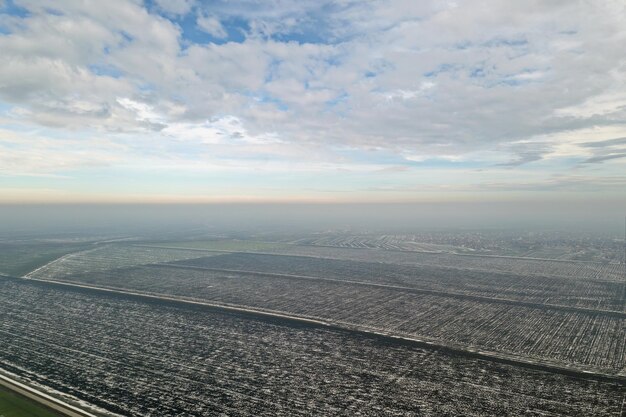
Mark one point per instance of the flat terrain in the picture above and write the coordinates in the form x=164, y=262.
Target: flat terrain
x=567, y=314
x=18, y=259
x=155, y=359
x=301, y=327
x=226, y=245
x=547, y=244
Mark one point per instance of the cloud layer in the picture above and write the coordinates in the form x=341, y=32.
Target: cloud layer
x=437, y=97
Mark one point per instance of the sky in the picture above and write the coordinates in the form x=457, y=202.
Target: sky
x=275, y=101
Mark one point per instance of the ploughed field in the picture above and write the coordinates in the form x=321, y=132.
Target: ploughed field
x=159, y=358
x=552, y=246
x=586, y=293
x=392, y=242
x=107, y=257
x=567, y=314
x=485, y=263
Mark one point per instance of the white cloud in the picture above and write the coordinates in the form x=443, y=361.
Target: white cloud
x=212, y=26
x=600, y=105
x=409, y=94
x=177, y=7
x=143, y=111
x=225, y=130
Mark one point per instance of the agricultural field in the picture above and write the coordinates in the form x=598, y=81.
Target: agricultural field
x=558, y=314
x=564, y=313
x=546, y=245
x=106, y=257
x=139, y=358
x=388, y=242
x=233, y=245
x=486, y=263
x=594, y=294
x=20, y=258
x=586, y=339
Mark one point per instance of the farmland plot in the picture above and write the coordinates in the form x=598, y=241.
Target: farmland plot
x=389, y=242
x=20, y=258
x=603, y=295
x=547, y=246
x=583, y=339
x=102, y=258
x=224, y=245
x=153, y=359
x=519, y=266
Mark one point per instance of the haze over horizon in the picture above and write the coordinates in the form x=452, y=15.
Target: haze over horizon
x=186, y=101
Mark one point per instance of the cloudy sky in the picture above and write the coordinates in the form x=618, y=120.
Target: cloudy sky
x=295, y=100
